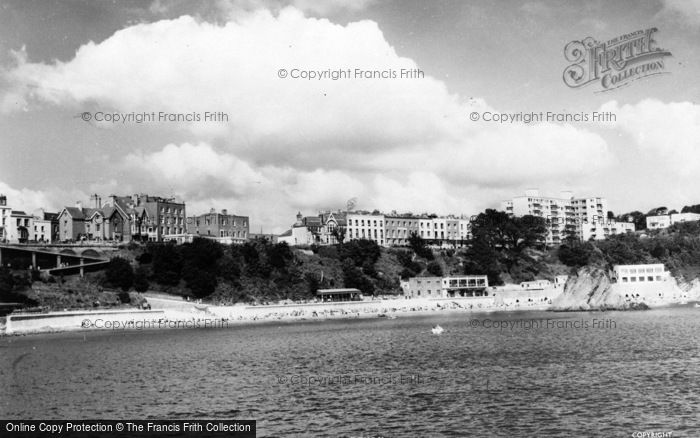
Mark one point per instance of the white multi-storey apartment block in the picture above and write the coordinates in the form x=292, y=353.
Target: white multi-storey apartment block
x=585, y=218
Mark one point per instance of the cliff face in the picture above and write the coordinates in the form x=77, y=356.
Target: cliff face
x=584, y=291
x=591, y=289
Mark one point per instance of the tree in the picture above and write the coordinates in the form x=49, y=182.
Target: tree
x=418, y=246
x=639, y=219
x=406, y=274
x=279, y=254
x=353, y=277
x=435, y=269
x=571, y=237
x=577, y=255
x=501, y=231
x=339, y=234
x=691, y=209
x=200, y=282
x=657, y=211
x=119, y=273
x=360, y=251
x=491, y=227
x=482, y=259
x=405, y=258
x=200, y=265
x=527, y=231
x=141, y=279
x=166, y=261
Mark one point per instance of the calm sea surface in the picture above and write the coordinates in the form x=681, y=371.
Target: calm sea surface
x=632, y=372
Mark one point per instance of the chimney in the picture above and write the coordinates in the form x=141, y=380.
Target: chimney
x=224, y=212
x=3, y=200
x=113, y=200
x=96, y=200
x=212, y=210
x=79, y=205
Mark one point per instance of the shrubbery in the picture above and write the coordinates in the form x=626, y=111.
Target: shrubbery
x=119, y=273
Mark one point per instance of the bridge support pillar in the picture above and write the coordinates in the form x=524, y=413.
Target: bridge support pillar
x=82, y=269
x=33, y=260
x=0, y=256
x=58, y=260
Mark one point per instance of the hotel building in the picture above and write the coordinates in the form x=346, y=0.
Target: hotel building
x=224, y=227
x=399, y=228
x=585, y=218
x=365, y=225
x=152, y=218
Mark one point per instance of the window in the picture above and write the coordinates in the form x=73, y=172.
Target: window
x=650, y=278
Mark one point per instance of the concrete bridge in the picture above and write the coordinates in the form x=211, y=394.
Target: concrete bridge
x=55, y=259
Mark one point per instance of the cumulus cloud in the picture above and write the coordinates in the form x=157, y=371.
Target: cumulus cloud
x=668, y=132
x=50, y=199
x=392, y=141
x=197, y=169
x=686, y=10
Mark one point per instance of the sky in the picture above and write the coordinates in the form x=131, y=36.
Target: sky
x=289, y=143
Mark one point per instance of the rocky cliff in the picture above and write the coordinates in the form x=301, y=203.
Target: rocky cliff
x=592, y=289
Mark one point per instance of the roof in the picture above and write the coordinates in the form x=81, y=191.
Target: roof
x=337, y=291
x=338, y=216
x=286, y=233
x=312, y=220
x=75, y=212
x=90, y=212
x=108, y=211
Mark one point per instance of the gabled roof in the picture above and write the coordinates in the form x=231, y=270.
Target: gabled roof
x=50, y=216
x=74, y=212
x=338, y=217
x=109, y=211
x=89, y=213
x=313, y=221
x=286, y=233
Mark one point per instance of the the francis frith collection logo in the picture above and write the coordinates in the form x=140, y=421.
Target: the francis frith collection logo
x=616, y=62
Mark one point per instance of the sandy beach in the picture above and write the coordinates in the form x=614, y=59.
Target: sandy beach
x=169, y=312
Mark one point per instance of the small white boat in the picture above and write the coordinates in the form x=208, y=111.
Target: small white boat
x=437, y=330
x=697, y=305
